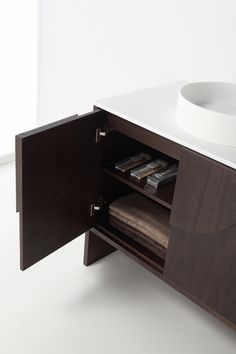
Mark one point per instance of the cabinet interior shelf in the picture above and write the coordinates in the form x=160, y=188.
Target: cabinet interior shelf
x=163, y=195
x=132, y=248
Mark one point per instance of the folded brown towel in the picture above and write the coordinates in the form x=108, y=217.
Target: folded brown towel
x=138, y=236
x=144, y=215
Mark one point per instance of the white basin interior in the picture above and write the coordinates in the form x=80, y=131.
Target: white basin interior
x=207, y=110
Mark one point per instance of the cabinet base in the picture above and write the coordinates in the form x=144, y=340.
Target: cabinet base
x=96, y=248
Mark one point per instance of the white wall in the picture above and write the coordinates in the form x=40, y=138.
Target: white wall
x=18, y=71
x=91, y=49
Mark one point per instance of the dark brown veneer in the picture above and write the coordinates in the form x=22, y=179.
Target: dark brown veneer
x=145, y=136
x=60, y=175
x=163, y=196
x=56, y=173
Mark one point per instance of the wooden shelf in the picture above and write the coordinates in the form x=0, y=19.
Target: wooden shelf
x=163, y=195
x=132, y=248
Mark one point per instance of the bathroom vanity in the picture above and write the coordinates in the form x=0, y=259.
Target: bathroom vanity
x=65, y=184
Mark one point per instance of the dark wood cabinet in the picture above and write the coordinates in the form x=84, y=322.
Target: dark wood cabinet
x=57, y=173
x=65, y=185
x=202, y=249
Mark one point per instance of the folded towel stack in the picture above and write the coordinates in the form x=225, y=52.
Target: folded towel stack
x=139, y=215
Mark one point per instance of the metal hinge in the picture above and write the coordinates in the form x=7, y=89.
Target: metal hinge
x=96, y=207
x=101, y=133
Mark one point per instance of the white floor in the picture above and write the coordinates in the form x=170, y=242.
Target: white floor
x=114, y=306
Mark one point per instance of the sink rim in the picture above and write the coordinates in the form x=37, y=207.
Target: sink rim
x=230, y=87
x=213, y=126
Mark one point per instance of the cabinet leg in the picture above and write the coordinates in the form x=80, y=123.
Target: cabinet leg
x=95, y=248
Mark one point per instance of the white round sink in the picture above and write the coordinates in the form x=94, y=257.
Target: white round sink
x=207, y=110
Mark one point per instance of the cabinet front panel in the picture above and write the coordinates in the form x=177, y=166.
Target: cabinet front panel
x=57, y=172
x=205, y=195
x=204, y=265
x=202, y=249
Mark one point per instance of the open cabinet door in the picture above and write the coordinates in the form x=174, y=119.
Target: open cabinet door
x=57, y=169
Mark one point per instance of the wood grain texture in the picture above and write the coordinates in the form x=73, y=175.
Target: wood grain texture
x=131, y=248
x=200, y=303
x=204, y=265
x=202, y=248
x=57, y=170
x=144, y=136
x=163, y=195
x=112, y=237
x=57, y=173
x=95, y=248
x=205, y=195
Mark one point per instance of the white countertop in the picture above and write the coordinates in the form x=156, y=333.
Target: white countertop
x=154, y=109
